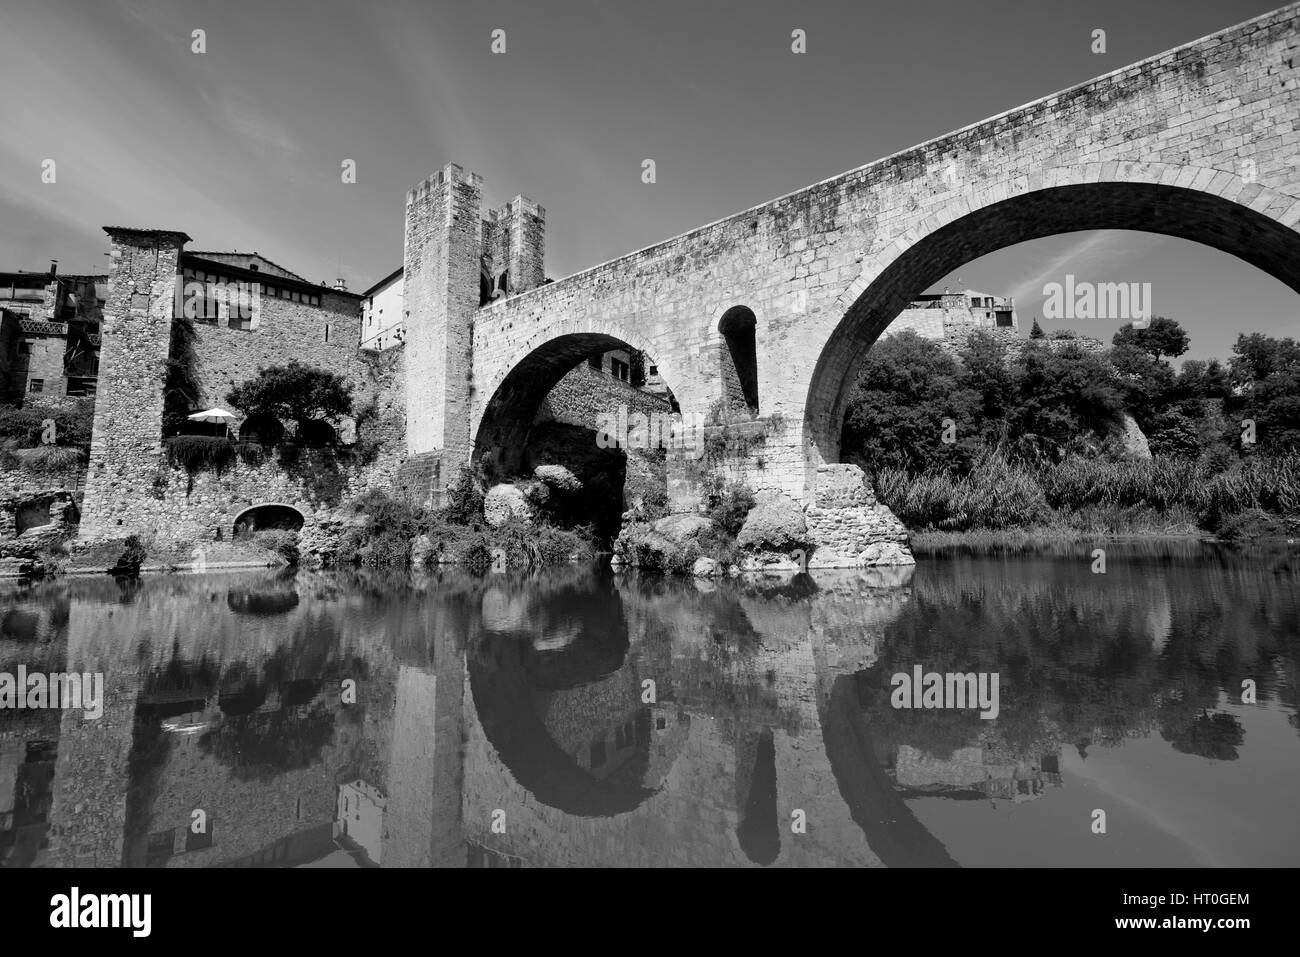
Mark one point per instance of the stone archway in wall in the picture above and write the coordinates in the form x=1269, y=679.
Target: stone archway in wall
x=269, y=515
x=1262, y=232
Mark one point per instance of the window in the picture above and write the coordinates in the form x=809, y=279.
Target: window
x=36, y=385
x=198, y=842
x=24, y=347
x=619, y=369
x=327, y=332
x=654, y=370
x=159, y=847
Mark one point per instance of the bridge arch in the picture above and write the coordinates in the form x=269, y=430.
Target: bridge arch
x=1217, y=208
x=507, y=418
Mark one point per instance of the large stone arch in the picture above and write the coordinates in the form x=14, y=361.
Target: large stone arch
x=1256, y=223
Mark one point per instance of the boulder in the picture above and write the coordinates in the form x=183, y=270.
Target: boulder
x=1134, y=440
x=706, y=568
x=682, y=528
x=558, y=477
x=775, y=522
x=505, y=502
x=421, y=549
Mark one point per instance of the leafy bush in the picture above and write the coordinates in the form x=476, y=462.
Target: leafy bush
x=1250, y=524
x=384, y=536
x=728, y=504
x=132, y=558
x=201, y=453
x=465, y=498
x=50, y=458
x=73, y=422
x=283, y=542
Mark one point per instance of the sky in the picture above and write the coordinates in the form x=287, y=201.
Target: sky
x=242, y=146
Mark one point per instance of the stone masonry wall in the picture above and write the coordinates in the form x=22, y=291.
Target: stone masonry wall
x=225, y=357
x=584, y=394
x=848, y=527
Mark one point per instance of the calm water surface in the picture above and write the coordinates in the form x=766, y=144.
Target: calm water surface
x=575, y=716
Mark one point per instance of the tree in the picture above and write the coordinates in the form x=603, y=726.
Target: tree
x=296, y=392
x=896, y=412
x=1148, y=384
x=1160, y=338
x=986, y=376
x=1036, y=331
x=1204, y=380
x=1064, y=397
x=1265, y=375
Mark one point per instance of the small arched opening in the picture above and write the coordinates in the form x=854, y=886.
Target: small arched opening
x=738, y=359
x=260, y=518
x=262, y=428
x=316, y=433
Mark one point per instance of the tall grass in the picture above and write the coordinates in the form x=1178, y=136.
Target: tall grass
x=1001, y=494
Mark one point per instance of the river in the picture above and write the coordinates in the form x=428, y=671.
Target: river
x=574, y=716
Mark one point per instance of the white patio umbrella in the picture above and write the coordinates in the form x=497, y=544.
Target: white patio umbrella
x=213, y=415
x=220, y=416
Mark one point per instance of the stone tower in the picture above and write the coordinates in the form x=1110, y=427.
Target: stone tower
x=126, y=443
x=455, y=257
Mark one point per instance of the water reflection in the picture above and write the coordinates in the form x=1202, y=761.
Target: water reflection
x=577, y=717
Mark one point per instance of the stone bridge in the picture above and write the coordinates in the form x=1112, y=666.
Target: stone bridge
x=1201, y=142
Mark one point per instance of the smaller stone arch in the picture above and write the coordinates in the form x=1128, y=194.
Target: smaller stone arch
x=738, y=358
x=269, y=515
x=317, y=433
x=263, y=428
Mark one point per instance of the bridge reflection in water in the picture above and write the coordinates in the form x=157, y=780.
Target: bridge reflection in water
x=573, y=717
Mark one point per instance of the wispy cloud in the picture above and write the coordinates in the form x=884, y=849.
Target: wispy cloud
x=252, y=125
x=1084, y=254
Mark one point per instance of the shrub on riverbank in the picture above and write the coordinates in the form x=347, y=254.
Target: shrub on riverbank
x=392, y=532
x=280, y=541
x=1092, y=494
